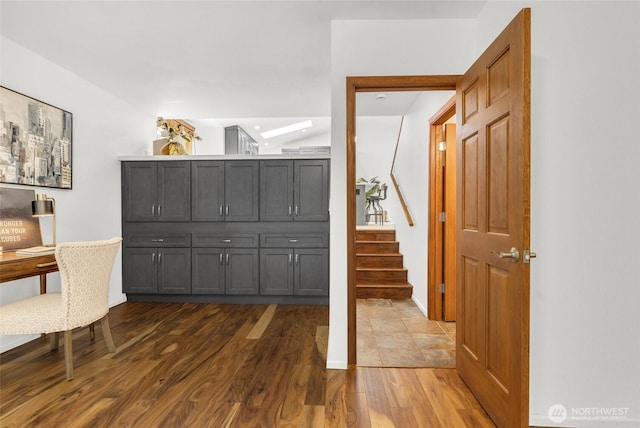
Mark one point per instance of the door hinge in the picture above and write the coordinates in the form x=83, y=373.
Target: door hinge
x=441, y=287
x=442, y=217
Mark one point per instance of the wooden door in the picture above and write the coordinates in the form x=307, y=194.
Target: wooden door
x=449, y=234
x=493, y=216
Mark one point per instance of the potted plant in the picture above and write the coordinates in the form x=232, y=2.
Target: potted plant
x=176, y=135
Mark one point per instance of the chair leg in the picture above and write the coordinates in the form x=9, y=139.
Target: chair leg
x=106, y=332
x=92, y=331
x=54, y=340
x=68, y=353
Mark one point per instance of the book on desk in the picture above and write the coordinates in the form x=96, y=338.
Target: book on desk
x=33, y=251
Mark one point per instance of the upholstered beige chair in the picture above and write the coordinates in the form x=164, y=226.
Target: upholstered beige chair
x=85, y=271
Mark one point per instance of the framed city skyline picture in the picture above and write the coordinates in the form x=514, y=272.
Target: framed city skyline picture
x=35, y=142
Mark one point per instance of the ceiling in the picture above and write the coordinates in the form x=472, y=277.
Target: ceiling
x=206, y=59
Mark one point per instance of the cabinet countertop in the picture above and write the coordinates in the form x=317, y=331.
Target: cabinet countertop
x=219, y=157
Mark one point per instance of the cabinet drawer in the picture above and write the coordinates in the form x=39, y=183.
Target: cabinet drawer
x=302, y=240
x=222, y=240
x=158, y=240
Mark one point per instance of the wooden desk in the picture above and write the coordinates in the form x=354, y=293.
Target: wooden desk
x=14, y=266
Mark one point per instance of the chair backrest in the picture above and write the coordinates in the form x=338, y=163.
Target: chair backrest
x=85, y=272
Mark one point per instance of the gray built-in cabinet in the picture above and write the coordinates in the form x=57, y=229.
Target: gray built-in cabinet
x=226, y=230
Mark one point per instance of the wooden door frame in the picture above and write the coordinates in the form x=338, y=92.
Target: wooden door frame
x=436, y=271
x=357, y=84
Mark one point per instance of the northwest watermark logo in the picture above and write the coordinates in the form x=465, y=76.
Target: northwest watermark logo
x=558, y=413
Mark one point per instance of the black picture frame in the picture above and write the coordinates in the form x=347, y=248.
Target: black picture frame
x=36, y=142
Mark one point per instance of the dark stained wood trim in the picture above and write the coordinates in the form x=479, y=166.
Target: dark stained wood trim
x=372, y=84
x=434, y=303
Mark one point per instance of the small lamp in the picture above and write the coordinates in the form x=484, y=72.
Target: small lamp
x=45, y=206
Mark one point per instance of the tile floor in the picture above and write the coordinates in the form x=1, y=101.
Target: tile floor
x=395, y=333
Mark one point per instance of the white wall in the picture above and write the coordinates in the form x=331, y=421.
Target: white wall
x=585, y=206
x=376, y=144
x=103, y=128
x=362, y=48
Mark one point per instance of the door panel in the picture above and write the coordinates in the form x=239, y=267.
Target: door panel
x=174, y=191
x=276, y=271
x=276, y=190
x=242, y=275
x=207, y=267
x=174, y=271
x=311, y=272
x=140, y=189
x=493, y=203
x=241, y=190
x=207, y=191
x=311, y=190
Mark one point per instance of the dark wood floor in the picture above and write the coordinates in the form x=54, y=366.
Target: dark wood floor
x=208, y=365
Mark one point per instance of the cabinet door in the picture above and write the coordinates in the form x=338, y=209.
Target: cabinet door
x=311, y=272
x=276, y=271
x=139, y=190
x=242, y=274
x=311, y=190
x=174, y=270
x=241, y=190
x=207, y=191
x=276, y=190
x=174, y=191
x=139, y=270
x=207, y=267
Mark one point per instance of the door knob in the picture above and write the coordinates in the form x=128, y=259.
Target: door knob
x=513, y=254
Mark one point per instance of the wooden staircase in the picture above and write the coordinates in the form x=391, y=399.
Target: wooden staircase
x=380, y=272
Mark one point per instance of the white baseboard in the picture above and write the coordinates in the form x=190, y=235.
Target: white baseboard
x=338, y=365
x=419, y=305
x=10, y=341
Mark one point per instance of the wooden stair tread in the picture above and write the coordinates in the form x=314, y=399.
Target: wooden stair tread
x=401, y=285
x=384, y=291
x=379, y=254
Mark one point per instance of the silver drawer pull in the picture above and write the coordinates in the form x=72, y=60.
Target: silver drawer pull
x=221, y=210
x=220, y=258
x=294, y=240
x=157, y=240
x=226, y=241
x=289, y=258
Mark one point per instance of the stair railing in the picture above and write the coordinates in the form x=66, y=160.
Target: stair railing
x=405, y=208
